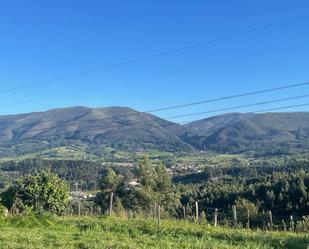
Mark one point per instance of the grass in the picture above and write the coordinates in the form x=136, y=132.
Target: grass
x=90, y=232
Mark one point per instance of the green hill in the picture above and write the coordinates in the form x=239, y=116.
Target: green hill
x=236, y=132
x=118, y=127
x=87, y=131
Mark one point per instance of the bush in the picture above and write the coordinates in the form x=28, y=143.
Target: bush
x=43, y=192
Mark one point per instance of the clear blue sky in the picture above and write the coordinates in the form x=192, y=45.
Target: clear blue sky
x=42, y=40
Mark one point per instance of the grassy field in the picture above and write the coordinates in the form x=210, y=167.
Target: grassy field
x=89, y=232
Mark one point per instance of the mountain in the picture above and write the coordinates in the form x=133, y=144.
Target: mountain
x=118, y=127
x=126, y=129
x=270, y=133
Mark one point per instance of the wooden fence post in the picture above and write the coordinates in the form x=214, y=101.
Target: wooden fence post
x=270, y=220
x=155, y=210
x=99, y=211
x=291, y=223
x=196, y=212
x=159, y=215
x=79, y=204
x=248, y=219
x=234, y=216
x=284, y=225
x=111, y=204
x=184, y=212
x=216, y=217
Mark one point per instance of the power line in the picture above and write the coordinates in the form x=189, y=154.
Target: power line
x=162, y=53
x=256, y=112
x=239, y=107
x=283, y=107
x=160, y=125
x=175, y=124
x=124, y=83
x=221, y=98
x=152, y=76
x=190, y=114
x=230, y=97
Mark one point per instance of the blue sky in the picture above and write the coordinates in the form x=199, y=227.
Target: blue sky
x=42, y=40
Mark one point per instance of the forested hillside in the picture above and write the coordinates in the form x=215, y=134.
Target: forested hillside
x=119, y=127
x=93, y=129
x=266, y=134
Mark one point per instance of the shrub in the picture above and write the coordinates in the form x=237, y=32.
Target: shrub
x=43, y=192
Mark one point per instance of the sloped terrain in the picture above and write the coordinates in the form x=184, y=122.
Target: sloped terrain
x=126, y=129
x=274, y=132
x=119, y=127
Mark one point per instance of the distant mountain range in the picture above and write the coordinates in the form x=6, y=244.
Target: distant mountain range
x=126, y=129
x=267, y=133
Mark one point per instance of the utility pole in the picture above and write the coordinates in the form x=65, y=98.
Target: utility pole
x=77, y=198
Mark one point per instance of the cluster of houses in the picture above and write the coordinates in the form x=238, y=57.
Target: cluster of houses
x=81, y=195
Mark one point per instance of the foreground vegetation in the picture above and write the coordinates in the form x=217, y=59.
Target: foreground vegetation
x=30, y=205
x=29, y=232
x=255, y=191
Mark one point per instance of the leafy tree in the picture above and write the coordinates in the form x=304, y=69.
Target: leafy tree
x=43, y=192
x=156, y=186
x=245, y=207
x=109, y=181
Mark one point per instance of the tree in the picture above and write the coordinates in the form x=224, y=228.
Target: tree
x=156, y=186
x=109, y=183
x=43, y=192
x=245, y=208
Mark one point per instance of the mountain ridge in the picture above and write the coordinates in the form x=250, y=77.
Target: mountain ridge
x=248, y=131
x=119, y=127
x=124, y=128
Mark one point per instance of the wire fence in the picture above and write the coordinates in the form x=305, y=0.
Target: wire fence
x=216, y=217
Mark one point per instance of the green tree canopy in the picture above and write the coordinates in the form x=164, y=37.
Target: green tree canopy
x=110, y=180
x=154, y=186
x=42, y=192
